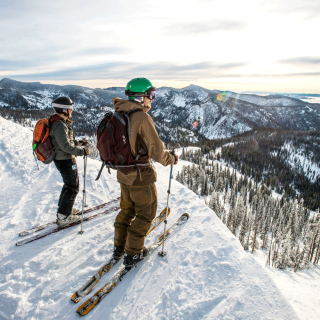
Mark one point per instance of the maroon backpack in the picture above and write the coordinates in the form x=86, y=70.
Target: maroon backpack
x=113, y=143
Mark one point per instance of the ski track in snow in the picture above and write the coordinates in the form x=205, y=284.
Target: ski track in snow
x=205, y=275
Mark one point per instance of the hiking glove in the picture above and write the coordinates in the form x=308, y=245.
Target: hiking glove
x=176, y=156
x=87, y=150
x=83, y=142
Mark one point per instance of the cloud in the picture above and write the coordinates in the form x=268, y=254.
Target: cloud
x=7, y=65
x=159, y=70
x=203, y=28
x=310, y=12
x=40, y=60
x=103, y=50
x=272, y=75
x=124, y=69
x=165, y=67
x=309, y=8
x=302, y=61
x=163, y=71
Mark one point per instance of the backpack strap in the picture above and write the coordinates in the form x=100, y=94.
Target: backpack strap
x=129, y=132
x=117, y=115
x=139, y=153
x=100, y=171
x=127, y=114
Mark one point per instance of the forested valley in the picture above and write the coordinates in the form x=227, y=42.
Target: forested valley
x=262, y=214
x=287, y=161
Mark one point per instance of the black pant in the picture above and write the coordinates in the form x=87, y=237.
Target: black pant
x=69, y=172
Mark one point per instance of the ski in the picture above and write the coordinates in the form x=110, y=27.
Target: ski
x=55, y=229
x=94, y=280
x=88, y=305
x=43, y=226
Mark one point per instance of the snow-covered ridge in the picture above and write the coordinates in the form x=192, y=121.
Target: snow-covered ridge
x=205, y=275
x=266, y=101
x=225, y=114
x=220, y=114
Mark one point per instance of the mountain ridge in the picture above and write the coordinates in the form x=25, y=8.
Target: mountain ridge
x=214, y=114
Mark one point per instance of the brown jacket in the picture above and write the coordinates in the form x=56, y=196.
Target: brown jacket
x=143, y=134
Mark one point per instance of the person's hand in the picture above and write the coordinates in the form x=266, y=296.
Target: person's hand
x=176, y=156
x=84, y=142
x=87, y=150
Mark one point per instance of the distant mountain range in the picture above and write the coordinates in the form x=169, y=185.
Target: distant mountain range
x=212, y=113
x=225, y=114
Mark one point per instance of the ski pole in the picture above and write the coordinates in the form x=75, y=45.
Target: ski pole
x=35, y=159
x=84, y=188
x=85, y=175
x=163, y=253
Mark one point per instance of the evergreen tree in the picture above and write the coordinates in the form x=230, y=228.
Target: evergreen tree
x=283, y=256
x=254, y=239
x=264, y=235
x=243, y=229
x=230, y=221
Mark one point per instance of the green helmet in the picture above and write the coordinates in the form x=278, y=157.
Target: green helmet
x=139, y=87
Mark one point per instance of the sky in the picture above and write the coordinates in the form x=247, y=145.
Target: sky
x=249, y=45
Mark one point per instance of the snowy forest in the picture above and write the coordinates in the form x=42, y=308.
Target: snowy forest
x=253, y=212
x=286, y=160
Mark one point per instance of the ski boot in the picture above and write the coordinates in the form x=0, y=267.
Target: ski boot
x=130, y=260
x=118, y=252
x=63, y=220
x=75, y=211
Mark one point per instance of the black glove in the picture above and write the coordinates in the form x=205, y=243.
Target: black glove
x=83, y=142
x=174, y=154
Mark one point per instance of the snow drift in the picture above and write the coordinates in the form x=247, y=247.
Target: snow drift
x=205, y=275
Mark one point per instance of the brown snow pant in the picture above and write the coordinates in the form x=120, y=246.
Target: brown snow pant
x=138, y=208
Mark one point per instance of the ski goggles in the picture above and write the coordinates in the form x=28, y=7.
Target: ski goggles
x=62, y=106
x=151, y=94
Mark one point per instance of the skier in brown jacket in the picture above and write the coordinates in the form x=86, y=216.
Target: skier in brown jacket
x=138, y=191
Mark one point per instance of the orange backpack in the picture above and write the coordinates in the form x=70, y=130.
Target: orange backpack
x=41, y=143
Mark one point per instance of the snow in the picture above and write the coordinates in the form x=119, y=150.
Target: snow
x=205, y=275
x=302, y=289
x=3, y=104
x=275, y=100
x=179, y=101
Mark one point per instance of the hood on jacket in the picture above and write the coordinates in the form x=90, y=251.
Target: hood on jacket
x=126, y=105
x=55, y=117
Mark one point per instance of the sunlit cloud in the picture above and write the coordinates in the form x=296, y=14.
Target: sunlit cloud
x=162, y=70
x=310, y=9
x=302, y=61
x=202, y=28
